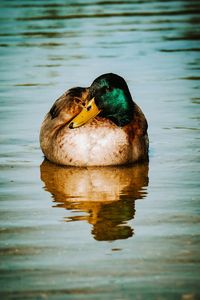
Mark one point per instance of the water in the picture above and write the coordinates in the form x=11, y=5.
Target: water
x=100, y=233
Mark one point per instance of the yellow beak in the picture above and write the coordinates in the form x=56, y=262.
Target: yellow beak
x=89, y=112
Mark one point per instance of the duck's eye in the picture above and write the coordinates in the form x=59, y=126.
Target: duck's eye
x=101, y=91
x=107, y=89
x=89, y=107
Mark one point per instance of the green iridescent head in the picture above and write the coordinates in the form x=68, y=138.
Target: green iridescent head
x=113, y=98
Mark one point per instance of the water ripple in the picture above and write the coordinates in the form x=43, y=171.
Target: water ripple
x=109, y=15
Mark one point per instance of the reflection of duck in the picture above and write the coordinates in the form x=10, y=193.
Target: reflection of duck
x=106, y=194
x=118, y=135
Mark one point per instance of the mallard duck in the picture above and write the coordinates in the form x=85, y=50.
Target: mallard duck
x=96, y=126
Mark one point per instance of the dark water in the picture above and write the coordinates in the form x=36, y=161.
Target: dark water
x=100, y=233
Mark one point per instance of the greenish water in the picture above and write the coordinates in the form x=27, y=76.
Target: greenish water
x=100, y=233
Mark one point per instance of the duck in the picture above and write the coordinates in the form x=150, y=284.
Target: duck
x=99, y=125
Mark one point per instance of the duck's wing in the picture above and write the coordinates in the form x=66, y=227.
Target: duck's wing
x=69, y=104
x=62, y=112
x=137, y=128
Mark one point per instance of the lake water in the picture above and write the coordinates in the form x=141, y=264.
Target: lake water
x=100, y=233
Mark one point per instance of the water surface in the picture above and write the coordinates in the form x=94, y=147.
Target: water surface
x=100, y=233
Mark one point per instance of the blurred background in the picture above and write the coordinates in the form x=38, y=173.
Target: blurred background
x=125, y=233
